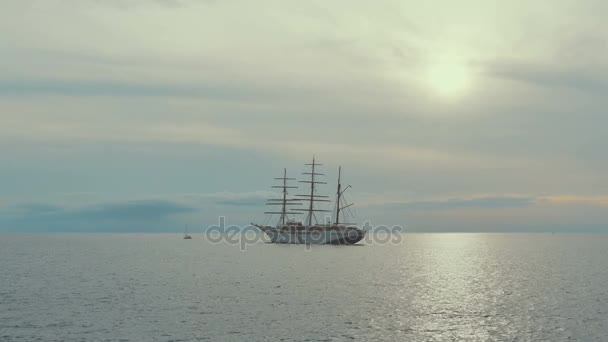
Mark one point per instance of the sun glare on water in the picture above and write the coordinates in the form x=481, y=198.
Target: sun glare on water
x=449, y=79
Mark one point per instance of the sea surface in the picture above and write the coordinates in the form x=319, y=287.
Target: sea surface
x=425, y=287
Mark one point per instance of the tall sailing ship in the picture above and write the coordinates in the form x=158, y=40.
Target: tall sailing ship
x=309, y=231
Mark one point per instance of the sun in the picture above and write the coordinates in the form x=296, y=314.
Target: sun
x=449, y=79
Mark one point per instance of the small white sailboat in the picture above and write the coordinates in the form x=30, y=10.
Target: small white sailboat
x=186, y=236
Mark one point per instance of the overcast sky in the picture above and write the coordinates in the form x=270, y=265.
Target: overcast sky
x=142, y=115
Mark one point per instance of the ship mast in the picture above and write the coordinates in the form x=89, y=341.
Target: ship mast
x=284, y=201
x=312, y=198
x=339, y=194
x=284, y=207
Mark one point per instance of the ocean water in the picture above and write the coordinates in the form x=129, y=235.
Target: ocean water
x=428, y=287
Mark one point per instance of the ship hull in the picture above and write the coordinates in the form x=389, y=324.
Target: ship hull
x=315, y=237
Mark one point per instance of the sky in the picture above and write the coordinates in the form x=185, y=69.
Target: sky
x=147, y=115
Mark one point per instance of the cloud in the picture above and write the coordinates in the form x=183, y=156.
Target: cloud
x=257, y=202
x=572, y=199
x=131, y=210
x=118, y=211
x=242, y=199
x=62, y=87
x=548, y=75
x=155, y=214
x=39, y=208
x=470, y=203
x=130, y=4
